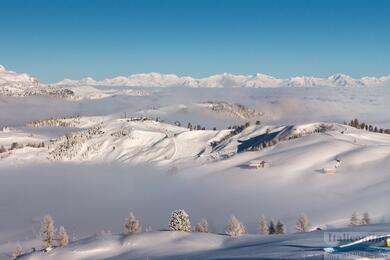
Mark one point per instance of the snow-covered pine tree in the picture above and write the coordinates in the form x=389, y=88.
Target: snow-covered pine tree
x=263, y=226
x=272, y=227
x=202, y=226
x=366, y=219
x=132, y=225
x=235, y=227
x=355, y=221
x=180, y=221
x=303, y=224
x=63, y=238
x=280, y=228
x=18, y=251
x=47, y=231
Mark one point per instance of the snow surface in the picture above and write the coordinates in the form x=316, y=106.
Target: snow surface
x=97, y=164
x=184, y=245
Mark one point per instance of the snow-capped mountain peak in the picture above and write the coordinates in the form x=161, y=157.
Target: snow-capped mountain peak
x=257, y=80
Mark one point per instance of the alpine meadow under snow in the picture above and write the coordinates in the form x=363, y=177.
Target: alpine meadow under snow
x=167, y=167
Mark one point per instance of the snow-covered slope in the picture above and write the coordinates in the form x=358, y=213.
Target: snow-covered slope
x=140, y=140
x=228, y=80
x=89, y=167
x=183, y=245
x=14, y=84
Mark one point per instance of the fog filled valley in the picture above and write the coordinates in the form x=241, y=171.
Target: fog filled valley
x=88, y=154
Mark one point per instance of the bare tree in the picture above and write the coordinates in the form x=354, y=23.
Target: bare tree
x=202, y=226
x=18, y=251
x=180, y=221
x=355, y=221
x=132, y=225
x=263, y=226
x=303, y=224
x=47, y=231
x=235, y=227
x=63, y=238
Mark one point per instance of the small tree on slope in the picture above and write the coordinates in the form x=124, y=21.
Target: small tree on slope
x=47, y=231
x=280, y=228
x=272, y=227
x=202, y=226
x=132, y=225
x=17, y=251
x=355, y=220
x=63, y=239
x=303, y=224
x=180, y=221
x=366, y=219
x=263, y=226
x=235, y=227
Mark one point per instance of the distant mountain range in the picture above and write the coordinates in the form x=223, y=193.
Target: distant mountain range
x=10, y=78
x=229, y=80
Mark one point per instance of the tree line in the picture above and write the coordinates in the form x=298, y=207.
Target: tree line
x=364, y=126
x=180, y=221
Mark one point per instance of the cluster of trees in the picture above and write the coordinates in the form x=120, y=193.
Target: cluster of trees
x=362, y=125
x=196, y=127
x=236, y=129
x=180, y=221
x=50, y=237
x=56, y=122
x=356, y=220
x=16, y=145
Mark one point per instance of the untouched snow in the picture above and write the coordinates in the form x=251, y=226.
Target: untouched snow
x=178, y=168
x=182, y=245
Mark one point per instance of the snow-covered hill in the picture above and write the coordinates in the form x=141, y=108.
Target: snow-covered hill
x=228, y=80
x=94, y=167
x=142, y=140
x=185, y=245
x=14, y=84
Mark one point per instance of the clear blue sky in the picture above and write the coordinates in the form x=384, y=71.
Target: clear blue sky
x=54, y=39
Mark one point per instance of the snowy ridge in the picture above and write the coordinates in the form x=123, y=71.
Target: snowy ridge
x=14, y=84
x=105, y=139
x=228, y=80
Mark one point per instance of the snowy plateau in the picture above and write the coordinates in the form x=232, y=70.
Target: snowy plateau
x=88, y=152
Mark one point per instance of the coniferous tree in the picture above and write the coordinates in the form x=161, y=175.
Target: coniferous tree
x=366, y=218
x=132, y=225
x=272, y=227
x=180, y=221
x=18, y=251
x=280, y=228
x=63, y=238
x=354, y=220
x=303, y=224
x=263, y=226
x=235, y=227
x=202, y=226
x=47, y=231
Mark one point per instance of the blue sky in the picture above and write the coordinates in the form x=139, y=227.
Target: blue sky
x=56, y=39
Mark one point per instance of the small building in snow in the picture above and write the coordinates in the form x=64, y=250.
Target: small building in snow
x=256, y=164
